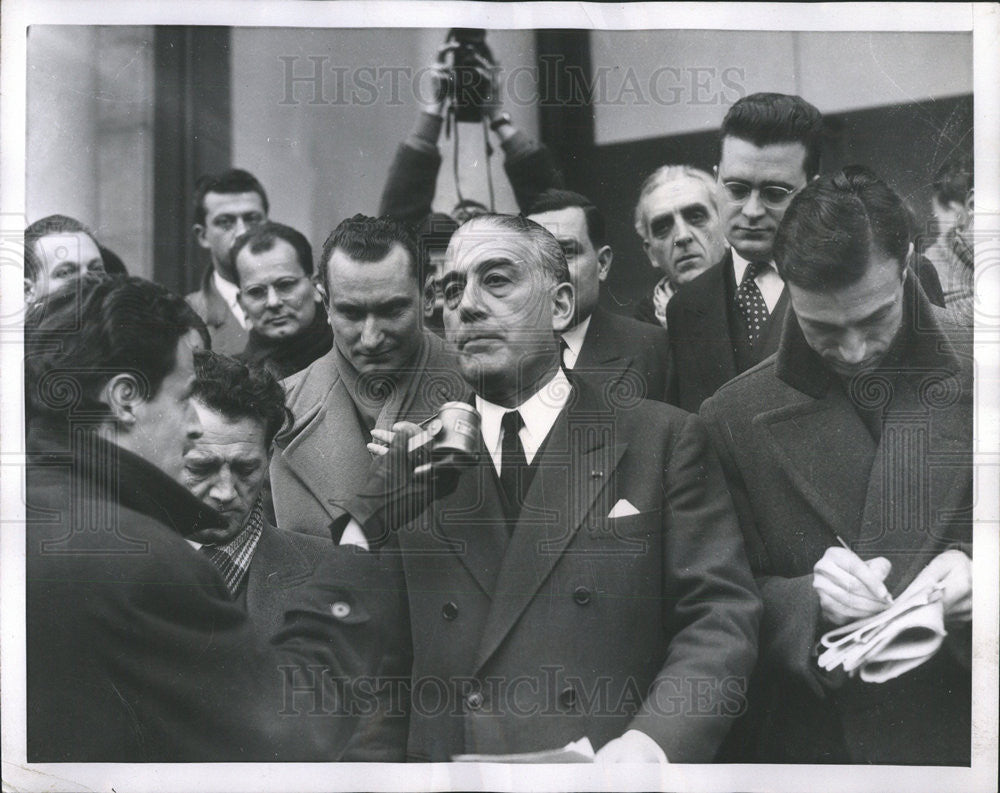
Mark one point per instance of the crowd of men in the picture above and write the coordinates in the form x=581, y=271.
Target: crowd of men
x=244, y=545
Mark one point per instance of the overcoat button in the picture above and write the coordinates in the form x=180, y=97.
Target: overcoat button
x=474, y=700
x=567, y=697
x=340, y=609
x=581, y=595
x=449, y=610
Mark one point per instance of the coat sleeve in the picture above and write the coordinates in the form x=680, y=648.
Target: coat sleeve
x=411, y=184
x=712, y=608
x=531, y=170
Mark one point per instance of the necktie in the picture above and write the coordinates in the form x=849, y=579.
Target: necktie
x=563, y=348
x=751, y=302
x=512, y=460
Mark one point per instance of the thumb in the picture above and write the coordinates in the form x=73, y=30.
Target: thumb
x=880, y=566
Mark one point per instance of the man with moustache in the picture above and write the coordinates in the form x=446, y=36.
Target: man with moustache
x=585, y=577
x=226, y=205
x=677, y=218
x=623, y=357
x=385, y=366
x=849, y=457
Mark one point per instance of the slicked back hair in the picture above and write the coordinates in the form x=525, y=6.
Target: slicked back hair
x=53, y=224
x=368, y=239
x=96, y=327
x=551, y=259
x=239, y=390
x=262, y=238
x=228, y=182
x=832, y=227
x=766, y=118
x=552, y=200
x=664, y=175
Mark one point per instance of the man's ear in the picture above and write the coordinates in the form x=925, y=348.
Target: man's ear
x=604, y=257
x=122, y=394
x=29, y=291
x=647, y=248
x=563, y=306
x=199, y=235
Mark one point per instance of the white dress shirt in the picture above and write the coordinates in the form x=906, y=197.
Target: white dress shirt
x=539, y=412
x=228, y=291
x=768, y=281
x=574, y=343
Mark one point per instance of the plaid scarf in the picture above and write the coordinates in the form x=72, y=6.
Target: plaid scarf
x=233, y=559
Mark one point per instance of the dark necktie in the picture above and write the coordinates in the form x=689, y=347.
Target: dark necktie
x=563, y=348
x=751, y=302
x=512, y=460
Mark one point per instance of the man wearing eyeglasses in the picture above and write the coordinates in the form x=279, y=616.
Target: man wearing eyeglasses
x=288, y=328
x=729, y=318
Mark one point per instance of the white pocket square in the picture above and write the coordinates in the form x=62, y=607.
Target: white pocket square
x=623, y=509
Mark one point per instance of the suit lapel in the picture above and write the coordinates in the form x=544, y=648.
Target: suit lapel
x=710, y=327
x=471, y=522
x=772, y=334
x=571, y=483
x=833, y=475
x=600, y=349
x=331, y=469
x=276, y=563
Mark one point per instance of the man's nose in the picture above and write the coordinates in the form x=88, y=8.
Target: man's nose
x=371, y=333
x=273, y=301
x=852, y=348
x=754, y=207
x=223, y=490
x=682, y=234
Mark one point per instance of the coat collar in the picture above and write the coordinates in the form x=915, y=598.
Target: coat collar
x=925, y=346
x=121, y=476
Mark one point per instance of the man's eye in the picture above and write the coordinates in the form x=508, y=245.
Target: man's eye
x=569, y=251
x=66, y=271
x=697, y=218
x=225, y=222
x=495, y=281
x=453, y=294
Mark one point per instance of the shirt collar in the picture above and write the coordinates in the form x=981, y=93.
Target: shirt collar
x=539, y=412
x=228, y=291
x=739, y=266
x=574, y=341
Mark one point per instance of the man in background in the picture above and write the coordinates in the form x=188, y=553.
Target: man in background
x=273, y=264
x=729, y=317
x=57, y=250
x=226, y=205
x=615, y=351
x=384, y=367
x=677, y=218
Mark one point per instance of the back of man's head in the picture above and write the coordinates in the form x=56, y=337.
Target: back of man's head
x=766, y=118
x=228, y=182
x=99, y=327
x=368, y=239
x=53, y=224
x=553, y=199
x=261, y=239
x=238, y=390
x=832, y=227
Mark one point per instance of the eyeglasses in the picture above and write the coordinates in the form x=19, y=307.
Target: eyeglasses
x=284, y=288
x=771, y=195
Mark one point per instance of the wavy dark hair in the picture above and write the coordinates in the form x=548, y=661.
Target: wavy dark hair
x=240, y=390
